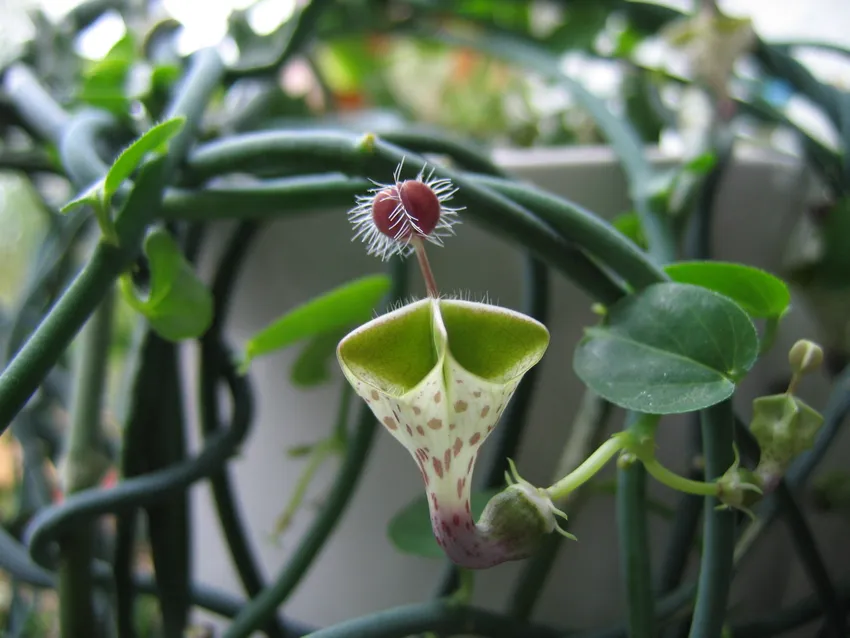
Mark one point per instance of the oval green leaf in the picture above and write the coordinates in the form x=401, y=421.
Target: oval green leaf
x=311, y=368
x=178, y=306
x=410, y=530
x=347, y=305
x=668, y=349
x=758, y=292
x=151, y=141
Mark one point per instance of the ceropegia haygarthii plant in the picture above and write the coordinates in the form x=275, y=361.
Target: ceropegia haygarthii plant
x=438, y=374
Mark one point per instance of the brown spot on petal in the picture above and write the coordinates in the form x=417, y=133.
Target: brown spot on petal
x=456, y=520
x=437, y=397
x=409, y=431
x=452, y=426
x=461, y=406
x=485, y=410
x=390, y=423
x=475, y=438
x=457, y=446
x=375, y=395
x=469, y=512
x=434, y=501
x=420, y=430
x=476, y=394
x=459, y=487
x=417, y=409
x=438, y=467
x=447, y=459
x=435, y=424
x=469, y=467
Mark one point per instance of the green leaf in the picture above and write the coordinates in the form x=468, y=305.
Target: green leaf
x=758, y=292
x=130, y=158
x=178, y=305
x=629, y=225
x=89, y=197
x=410, y=530
x=347, y=305
x=94, y=196
x=311, y=367
x=667, y=349
x=702, y=164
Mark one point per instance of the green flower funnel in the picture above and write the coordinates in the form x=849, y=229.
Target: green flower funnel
x=438, y=374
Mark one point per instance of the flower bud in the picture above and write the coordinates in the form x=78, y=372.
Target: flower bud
x=784, y=427
x=805, y=356
x=517, y=518
x=739, y=488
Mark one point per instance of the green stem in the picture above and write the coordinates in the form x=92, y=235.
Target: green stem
x=437, y=616
x=41, y=113
x=679, y=483
x=38, y=355
x=587, y=470
x=593, y=233
x=466, y=586
x=299, y=29
x=716, y=564
x=634, y=542
x=85, y=463
x=318, y=455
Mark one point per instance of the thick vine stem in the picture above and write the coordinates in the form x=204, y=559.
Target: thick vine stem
x=329, y=151
x=437, y=616
x=38, y=355
x=85, y=463
x=224, y=281
x=635, y=556
x=15, y=560
x=715, y=577
x=33, y=103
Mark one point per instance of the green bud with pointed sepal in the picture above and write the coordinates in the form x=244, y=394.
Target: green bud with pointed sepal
x=785, y=427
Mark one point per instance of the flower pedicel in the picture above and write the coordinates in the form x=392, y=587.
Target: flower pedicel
x=438, y=374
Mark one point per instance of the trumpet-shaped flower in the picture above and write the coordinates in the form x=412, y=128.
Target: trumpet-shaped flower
x=438, y=373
